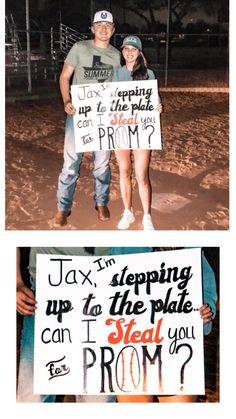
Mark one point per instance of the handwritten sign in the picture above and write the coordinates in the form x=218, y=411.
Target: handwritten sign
x=119, y=325
x=118, y=115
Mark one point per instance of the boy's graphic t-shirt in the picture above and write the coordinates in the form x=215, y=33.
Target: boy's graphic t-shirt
x=92, y=64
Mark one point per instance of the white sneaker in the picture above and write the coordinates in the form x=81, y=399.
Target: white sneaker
x=147, y=222
x=127, y=219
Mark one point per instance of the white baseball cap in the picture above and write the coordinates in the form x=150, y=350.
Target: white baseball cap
x=103, y=16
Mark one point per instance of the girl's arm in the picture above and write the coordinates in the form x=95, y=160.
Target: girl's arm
x=209, y=294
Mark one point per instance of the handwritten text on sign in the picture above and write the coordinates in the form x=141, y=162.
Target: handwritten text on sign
x=118, y=115
x=123, y=324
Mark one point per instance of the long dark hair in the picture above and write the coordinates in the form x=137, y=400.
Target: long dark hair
x=140, y=71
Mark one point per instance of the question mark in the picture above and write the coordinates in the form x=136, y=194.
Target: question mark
x=187, y=360
x=145, y=127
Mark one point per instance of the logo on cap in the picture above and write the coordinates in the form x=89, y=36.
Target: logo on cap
x=103, y=15
x=131, y=39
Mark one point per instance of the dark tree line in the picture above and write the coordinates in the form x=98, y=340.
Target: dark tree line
x=77, y=14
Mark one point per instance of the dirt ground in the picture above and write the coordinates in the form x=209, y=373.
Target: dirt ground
x=189, y=176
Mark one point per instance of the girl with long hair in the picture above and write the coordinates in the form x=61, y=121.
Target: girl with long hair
x=135, y=68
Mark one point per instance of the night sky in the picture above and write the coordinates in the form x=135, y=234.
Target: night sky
x=77, y=14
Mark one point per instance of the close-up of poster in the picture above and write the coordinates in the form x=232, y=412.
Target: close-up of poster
x=122, y=324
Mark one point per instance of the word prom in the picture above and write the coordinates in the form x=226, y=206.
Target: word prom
x=127, y=324
x=116, y=116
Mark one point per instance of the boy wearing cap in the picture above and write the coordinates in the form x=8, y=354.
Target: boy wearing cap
x=90, y=61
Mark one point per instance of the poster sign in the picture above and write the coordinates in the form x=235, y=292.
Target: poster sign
x=126, y=324
x=118, y=115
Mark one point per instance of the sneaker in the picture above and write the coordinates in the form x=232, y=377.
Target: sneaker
x=126, y=219
x=147, y=222
x=60, y=218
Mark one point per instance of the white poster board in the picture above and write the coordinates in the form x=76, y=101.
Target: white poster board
x=123, y=324
x=118, y=115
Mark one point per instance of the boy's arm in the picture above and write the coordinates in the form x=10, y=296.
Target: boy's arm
x=64, y=81
x=25, y=300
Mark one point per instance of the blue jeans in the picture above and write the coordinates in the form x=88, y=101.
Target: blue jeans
x=26, y=372
x=26, y=366
x=71, y=171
